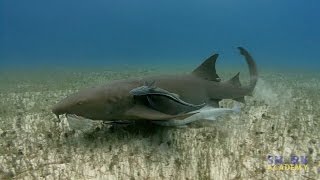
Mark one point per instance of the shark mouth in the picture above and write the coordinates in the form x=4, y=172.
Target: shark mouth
x=76, y=122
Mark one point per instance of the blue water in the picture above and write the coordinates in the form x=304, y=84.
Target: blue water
x=37, y=33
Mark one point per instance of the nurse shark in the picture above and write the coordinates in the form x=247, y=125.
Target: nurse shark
x=167, y=97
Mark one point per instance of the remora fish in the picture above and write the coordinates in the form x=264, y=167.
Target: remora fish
x=149, y=90
x=113, y=102
x=205, y=113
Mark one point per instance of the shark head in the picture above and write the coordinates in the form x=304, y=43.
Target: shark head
x=83, y=103
x=94, y=103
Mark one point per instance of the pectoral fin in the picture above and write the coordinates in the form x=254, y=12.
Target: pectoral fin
x=145, y=113
x=167, y=105
x=150, y=91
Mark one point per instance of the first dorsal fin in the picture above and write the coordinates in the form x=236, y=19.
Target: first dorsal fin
x=207, y=70
x=235, y=80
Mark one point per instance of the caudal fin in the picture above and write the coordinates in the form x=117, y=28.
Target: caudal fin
x=252, y=68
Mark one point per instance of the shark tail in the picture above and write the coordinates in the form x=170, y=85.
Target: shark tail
x=235, y=81
x=252, y=70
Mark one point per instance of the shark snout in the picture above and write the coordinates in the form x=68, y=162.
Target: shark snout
x=68, y=105
x=62, y=107
x=87, y=103
x=57, y=110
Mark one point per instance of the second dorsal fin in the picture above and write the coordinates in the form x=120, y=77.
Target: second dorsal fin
x=207, y=70
x=235, y=80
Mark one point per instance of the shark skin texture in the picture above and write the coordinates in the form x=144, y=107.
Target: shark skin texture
x=174, y=97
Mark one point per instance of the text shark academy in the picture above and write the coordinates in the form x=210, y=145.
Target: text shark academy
x=296, y=163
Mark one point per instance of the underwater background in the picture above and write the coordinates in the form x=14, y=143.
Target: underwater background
x=51, y=49
x=108, y=32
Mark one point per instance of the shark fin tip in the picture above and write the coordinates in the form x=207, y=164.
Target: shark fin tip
x=235, y=80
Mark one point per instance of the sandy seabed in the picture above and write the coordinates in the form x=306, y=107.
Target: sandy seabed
x=282, y=118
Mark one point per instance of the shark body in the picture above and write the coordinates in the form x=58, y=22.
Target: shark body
x=114, y=102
